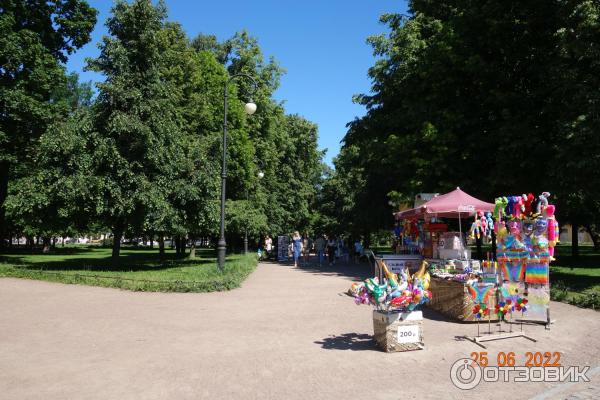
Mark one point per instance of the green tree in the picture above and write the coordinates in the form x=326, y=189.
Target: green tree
x=36, y=38
x=137, y=140
x=283, y=147
x=487, y=95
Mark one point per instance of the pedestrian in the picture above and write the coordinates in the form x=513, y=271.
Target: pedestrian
x=296, y=247
x=320, y=245
x=268, y=246
x=306, y=248
x=331, y=247
x=358, y=250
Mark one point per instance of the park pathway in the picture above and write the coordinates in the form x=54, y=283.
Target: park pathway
x=285, y=334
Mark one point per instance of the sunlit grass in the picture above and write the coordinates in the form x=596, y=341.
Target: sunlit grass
x=139, y=269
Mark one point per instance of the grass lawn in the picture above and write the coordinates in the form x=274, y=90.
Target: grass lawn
x=576, y=280
x=140, y=269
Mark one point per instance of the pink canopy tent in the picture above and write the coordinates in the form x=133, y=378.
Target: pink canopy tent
x=455, y=204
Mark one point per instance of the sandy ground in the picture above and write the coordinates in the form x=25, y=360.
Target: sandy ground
x=286, y=334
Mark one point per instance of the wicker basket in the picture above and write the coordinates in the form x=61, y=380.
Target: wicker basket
x=451, y=299
x=398, y=331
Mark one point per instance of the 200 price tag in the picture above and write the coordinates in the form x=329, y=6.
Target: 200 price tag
x=408, y=334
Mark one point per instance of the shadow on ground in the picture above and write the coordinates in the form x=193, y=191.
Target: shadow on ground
x=349, y=341
x=355, y=272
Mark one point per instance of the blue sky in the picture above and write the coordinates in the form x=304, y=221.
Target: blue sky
x=321, y=44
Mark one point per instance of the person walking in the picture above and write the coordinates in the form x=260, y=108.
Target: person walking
x=358, y=250
x=331, y=247
x=320, y=245
x=296, y=247
x=306, y=248
x=268, y=246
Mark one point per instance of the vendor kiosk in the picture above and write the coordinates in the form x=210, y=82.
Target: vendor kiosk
x=449, y=258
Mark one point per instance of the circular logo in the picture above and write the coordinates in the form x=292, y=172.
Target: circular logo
x=465, y=374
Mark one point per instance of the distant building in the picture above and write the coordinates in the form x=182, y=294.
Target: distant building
x=566, y=232
x=423, y=198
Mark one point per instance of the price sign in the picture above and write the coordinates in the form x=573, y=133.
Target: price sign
x=408, y=333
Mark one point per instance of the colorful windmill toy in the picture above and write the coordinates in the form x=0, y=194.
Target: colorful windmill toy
x=480, y=311
x=503, y=308
x=521, y=305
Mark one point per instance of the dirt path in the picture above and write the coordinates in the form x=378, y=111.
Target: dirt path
x=286, y=334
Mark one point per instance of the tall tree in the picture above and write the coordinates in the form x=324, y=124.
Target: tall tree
x=137, y=140
x=487, y=95
x=36, y=38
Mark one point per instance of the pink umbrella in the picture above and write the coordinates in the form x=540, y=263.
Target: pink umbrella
x=450, y=205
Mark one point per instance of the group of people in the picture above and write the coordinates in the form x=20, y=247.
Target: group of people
x=323, y=246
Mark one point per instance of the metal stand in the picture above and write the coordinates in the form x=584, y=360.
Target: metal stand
x=501, y=334
x=507, y=335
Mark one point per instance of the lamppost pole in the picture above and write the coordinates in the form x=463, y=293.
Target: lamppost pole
x=250, y=108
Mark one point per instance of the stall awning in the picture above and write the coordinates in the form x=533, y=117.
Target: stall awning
x=450, y=205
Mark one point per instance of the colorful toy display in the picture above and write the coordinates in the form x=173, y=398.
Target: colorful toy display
x=527, y=232
x=396, y=292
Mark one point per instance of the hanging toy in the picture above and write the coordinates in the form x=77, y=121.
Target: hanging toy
x=490, y=224
x=508, y=211
x=527, y=200
x=543, y=203
x=552, y=225
x=482, y=224
x=475, y=231
x=518, y=206
x=500, y=205
x=535, y=204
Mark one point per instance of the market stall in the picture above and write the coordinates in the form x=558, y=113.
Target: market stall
x=527, y=232
x=455, y=275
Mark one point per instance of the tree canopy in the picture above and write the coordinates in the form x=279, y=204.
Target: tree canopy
x=494, y=97
x=142, y=157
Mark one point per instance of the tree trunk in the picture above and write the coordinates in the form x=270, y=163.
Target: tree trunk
x=182, y=243
x=63, y=241
x=4, y=170
x=177, y=242
x=46, y=242
x=151, y=241
x=161, y=246
x=116, y=249
x=574, y=239
x=595, y=235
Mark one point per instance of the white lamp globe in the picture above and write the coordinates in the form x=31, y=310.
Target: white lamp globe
x=250, y=108
x=261, y=175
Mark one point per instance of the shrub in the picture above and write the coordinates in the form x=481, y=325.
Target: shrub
x=559, y=291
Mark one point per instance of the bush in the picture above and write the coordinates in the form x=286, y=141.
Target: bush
x=588, y=299
x=559, y=291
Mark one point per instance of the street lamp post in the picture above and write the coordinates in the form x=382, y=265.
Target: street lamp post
x=250, y=108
